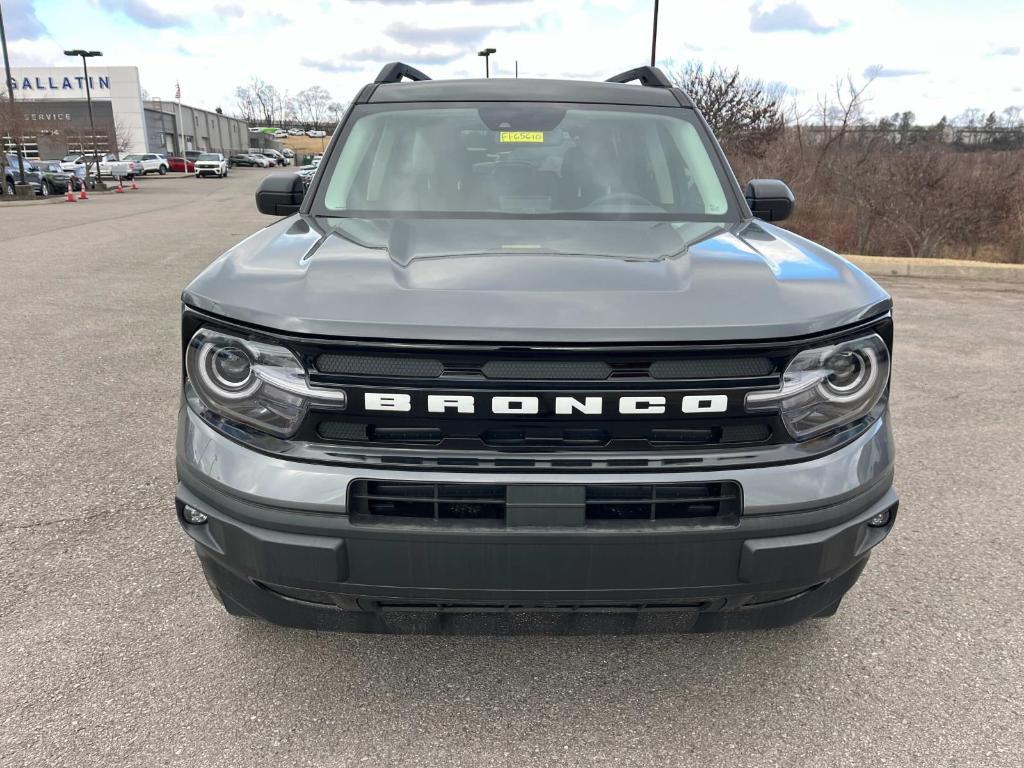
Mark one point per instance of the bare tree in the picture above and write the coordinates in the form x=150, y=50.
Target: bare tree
x=245, y=102
x=336, y=110
x=13, y=127
x=120, y=138
x=745, y=113
x=260, y=101
x=312, y=106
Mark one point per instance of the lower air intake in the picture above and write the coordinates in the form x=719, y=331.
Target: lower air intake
x=405, y=502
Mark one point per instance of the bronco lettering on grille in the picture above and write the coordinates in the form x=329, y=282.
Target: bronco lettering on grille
x=564, y=405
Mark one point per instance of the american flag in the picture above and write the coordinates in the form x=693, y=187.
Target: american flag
x=177, y=90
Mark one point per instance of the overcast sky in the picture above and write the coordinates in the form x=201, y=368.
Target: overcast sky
x=936, y=56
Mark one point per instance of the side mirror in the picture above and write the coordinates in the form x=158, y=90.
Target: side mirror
x=770, y=199
x=280, y=194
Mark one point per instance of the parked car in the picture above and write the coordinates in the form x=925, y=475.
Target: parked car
x=258, y=152
x=73, y=160
x=251, y=161
x=211, y=164
x=280, y=134
x=306, y=172
x=12, y=176
x=482, y=455
x=180, y=165
x=279, y=158
x=295, y=132
x=113, y=168
x=289, y=153
x=149, y=163
x=55, y=178
x=316, y=134
x=254, y=130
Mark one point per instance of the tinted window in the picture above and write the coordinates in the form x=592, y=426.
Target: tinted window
x=524, y=159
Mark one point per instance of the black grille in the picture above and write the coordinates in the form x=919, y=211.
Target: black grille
x=594, y=504
x=342, y=430
x=712, y=368
x=541, y=436
x=408, y=374
x=400, y=367
x=536, y=367
x=553, y=370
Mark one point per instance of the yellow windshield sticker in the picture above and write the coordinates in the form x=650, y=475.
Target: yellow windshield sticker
x=521, y=137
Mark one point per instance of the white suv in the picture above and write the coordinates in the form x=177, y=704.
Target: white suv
x=149, y=163
x=211, y=164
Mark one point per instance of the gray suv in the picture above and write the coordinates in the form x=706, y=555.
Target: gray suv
x=522, y=354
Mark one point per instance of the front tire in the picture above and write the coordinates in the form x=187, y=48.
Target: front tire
x=163, y=170
x=44, y=189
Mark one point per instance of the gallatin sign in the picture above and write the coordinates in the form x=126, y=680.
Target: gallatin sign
x=59, y=83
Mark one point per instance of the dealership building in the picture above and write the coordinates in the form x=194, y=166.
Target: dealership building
x=54, y=117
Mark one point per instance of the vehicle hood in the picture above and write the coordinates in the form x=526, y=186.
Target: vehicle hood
x=535, y=281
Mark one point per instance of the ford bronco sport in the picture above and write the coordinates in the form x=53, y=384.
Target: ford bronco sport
x=523, y=354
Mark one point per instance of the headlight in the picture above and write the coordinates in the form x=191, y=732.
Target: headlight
x=254, y=382
x=828, y=387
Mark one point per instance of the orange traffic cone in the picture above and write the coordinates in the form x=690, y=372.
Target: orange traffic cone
x=71, y=195
x=81, y=194
x=134, y=185
x=119, y=187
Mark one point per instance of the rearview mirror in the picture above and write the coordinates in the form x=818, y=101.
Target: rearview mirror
x=280, y=194
x=769, y=199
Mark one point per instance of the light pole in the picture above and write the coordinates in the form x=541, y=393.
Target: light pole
x=10, y=96
x=88, y=98
x=654, y=34
x=486, y=53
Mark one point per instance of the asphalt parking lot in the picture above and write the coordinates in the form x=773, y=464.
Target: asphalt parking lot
x=115, y=654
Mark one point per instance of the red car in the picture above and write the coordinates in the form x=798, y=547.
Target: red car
x=180, y=165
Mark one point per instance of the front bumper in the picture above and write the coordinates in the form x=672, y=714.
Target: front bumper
x=278, y=544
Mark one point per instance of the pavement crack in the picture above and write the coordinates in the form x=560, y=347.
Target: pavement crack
x=58, y=521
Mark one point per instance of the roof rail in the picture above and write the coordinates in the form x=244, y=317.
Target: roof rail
x=652, y=77
x=396, y=70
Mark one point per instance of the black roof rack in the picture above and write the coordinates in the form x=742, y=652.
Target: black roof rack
x=396, y=70
x=652, y=77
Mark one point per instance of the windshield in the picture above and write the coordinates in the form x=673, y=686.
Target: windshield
x=208, y=156
x=70, y=158
x=133, y=158
x=520, y=159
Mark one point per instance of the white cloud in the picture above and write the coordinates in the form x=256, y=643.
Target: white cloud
x=958, y=54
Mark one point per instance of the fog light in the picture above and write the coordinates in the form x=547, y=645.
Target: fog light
x=880, y=520
x=193, y=515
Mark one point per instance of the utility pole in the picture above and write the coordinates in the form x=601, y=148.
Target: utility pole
x=88, y=99
x=486, y=53
x=654, y=35
x=10, y=96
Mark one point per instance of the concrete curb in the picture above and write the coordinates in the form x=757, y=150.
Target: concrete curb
x=949, y=269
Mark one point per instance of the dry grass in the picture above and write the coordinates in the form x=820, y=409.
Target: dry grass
x=303, y=145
